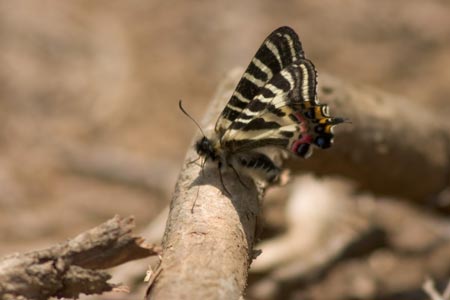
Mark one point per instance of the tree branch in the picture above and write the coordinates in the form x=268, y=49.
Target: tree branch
x=209, y=237
x=208, y=250
x=393, y=146
x=68, y=269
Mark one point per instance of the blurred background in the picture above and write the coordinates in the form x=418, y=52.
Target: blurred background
x=89, y=122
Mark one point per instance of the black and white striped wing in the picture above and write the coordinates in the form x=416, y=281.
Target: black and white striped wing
x=285, y=114
x=280, y=49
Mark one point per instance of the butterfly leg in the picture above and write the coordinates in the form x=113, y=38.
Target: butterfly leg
x=238, y=176
x=195, y=201
x=193, y=161
x=203, y=166
x=219, y=165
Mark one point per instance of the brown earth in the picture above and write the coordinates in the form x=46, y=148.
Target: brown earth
x=89, y=123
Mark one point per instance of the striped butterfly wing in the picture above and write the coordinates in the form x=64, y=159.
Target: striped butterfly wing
x=280, y=49
x=285, y=114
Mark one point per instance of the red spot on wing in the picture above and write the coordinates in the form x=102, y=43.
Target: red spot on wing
x=304, y=137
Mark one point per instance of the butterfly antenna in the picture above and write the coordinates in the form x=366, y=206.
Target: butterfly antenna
x=189, y=116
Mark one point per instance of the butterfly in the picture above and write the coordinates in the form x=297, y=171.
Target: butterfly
x=274, y=105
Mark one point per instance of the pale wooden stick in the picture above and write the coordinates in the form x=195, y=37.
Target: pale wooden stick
x=208, y=246
x=386, y=148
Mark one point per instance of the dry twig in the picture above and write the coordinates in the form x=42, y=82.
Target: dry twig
x=207, y=252
x=392, y=147
x=209, y=238
x=68, y=269
x=414, y=246
x=430, y=288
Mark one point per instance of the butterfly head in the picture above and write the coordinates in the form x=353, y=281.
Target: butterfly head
x=204, y=147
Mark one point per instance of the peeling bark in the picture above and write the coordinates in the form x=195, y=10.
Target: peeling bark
x=69, y=269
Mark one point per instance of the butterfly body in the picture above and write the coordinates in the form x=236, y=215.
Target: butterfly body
x=255, y=164
x=274, y=106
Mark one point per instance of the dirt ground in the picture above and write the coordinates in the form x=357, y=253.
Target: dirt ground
x=89, y=122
